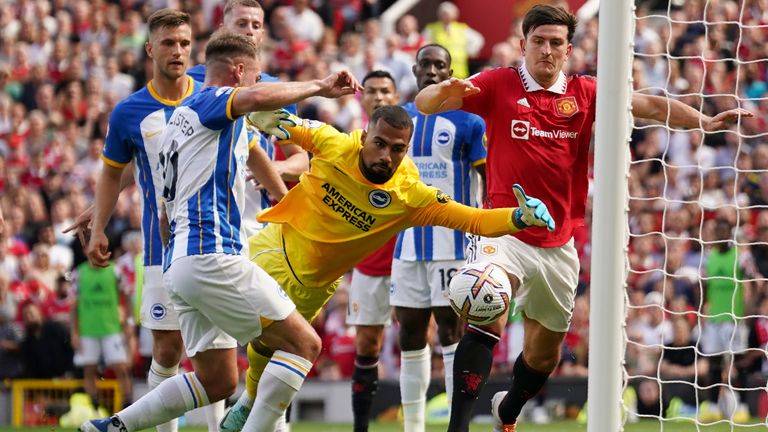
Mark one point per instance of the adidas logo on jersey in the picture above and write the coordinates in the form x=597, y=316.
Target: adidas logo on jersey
x=522, y=129
x=523, y=102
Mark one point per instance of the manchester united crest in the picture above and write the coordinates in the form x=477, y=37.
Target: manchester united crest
x=566, y=107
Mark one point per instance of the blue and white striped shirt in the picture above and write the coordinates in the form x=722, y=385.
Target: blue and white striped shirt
x=444, y=147
x=135, y=130
x=204, y=153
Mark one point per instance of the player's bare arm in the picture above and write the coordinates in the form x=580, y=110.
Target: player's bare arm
x=107, y=192
x=296, y=162
x=678, y=114
x=272, y=96
x=164, y=225
x=83, y=221
x=445, y=96
x=265, y=173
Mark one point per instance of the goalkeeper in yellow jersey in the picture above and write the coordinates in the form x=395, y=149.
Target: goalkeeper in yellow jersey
x=360, y=191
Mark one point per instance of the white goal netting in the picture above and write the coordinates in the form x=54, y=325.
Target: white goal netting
x=697, y=260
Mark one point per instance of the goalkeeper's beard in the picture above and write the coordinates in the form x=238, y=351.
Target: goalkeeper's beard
x=378, y=173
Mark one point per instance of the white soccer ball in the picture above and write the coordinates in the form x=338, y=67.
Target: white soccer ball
x=480, y=293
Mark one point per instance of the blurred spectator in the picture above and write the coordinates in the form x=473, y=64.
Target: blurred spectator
x=58, y=306
x=46, y=349
x=97, y=328
x=460, y=39
x=504, y=55
x=679, y=360
x=305, y=22
x=10, y=341
x=410, y=40
x=726, y=295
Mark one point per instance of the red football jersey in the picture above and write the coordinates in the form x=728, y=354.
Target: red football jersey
x=379, y=262
x=540, y=139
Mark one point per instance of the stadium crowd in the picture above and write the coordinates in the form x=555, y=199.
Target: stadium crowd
x=64, y=64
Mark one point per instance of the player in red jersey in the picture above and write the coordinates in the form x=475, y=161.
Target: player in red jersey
x=539, y=125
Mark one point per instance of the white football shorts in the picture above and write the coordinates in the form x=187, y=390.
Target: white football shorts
x=724, y=337
x=157, y=312
x=422, y=284
x=223, y=299
x=369, y=300
x=548, y=276
x=92, y=349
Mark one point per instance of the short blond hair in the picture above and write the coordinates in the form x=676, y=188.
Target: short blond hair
x=231, y=4
x=226, y=45
x=167, y=18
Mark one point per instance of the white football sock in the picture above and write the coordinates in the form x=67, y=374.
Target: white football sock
x=414, y=380
x=448, y=353
x=280, y=382
x=245, y=400
x=172, y=398
x=157, y=374
x=213, y=415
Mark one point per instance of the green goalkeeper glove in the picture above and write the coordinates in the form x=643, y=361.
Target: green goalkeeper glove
x=271, y=122
x=531, y=211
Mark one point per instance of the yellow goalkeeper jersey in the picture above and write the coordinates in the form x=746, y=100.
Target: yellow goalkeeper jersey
x=335, y=217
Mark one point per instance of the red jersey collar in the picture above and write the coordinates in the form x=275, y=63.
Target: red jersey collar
x=531, y=85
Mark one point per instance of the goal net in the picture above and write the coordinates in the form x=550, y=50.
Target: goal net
x=696, y=325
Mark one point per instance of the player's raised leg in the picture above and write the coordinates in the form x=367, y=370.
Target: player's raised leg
x=296, y=347
x=472, y=365
x=540, y=356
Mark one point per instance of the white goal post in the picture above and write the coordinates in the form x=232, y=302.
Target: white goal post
x=612, y=128
x=707, y=220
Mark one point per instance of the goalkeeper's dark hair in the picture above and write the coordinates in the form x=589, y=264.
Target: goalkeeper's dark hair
x=225, y=46
x=379, y=74
x=167, y=18
x=543, y=14
x=231, y=4
x=394, y=115
x=437, y=46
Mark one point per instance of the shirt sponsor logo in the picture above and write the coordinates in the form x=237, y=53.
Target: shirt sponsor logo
x=566, y=107
x=158, y=311
x=379, y=198
x=432, y=170
x=443, y=137
x=522, y=129
x=346, y=209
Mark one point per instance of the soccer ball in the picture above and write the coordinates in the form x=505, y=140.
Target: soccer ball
x=479, y=293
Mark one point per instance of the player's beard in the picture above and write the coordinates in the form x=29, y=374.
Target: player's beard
x=378, y=176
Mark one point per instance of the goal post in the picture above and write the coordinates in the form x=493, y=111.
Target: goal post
x=607, y=298
x=679, y=251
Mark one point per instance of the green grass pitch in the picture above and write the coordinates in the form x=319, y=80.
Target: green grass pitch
x=644, y=426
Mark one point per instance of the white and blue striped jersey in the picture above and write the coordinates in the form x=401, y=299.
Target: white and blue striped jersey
x=135, y=130
x=445, y=147
x=204, y=153
x=255, y=200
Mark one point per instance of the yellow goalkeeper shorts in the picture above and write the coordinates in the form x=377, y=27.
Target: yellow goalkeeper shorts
x=266, y=250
